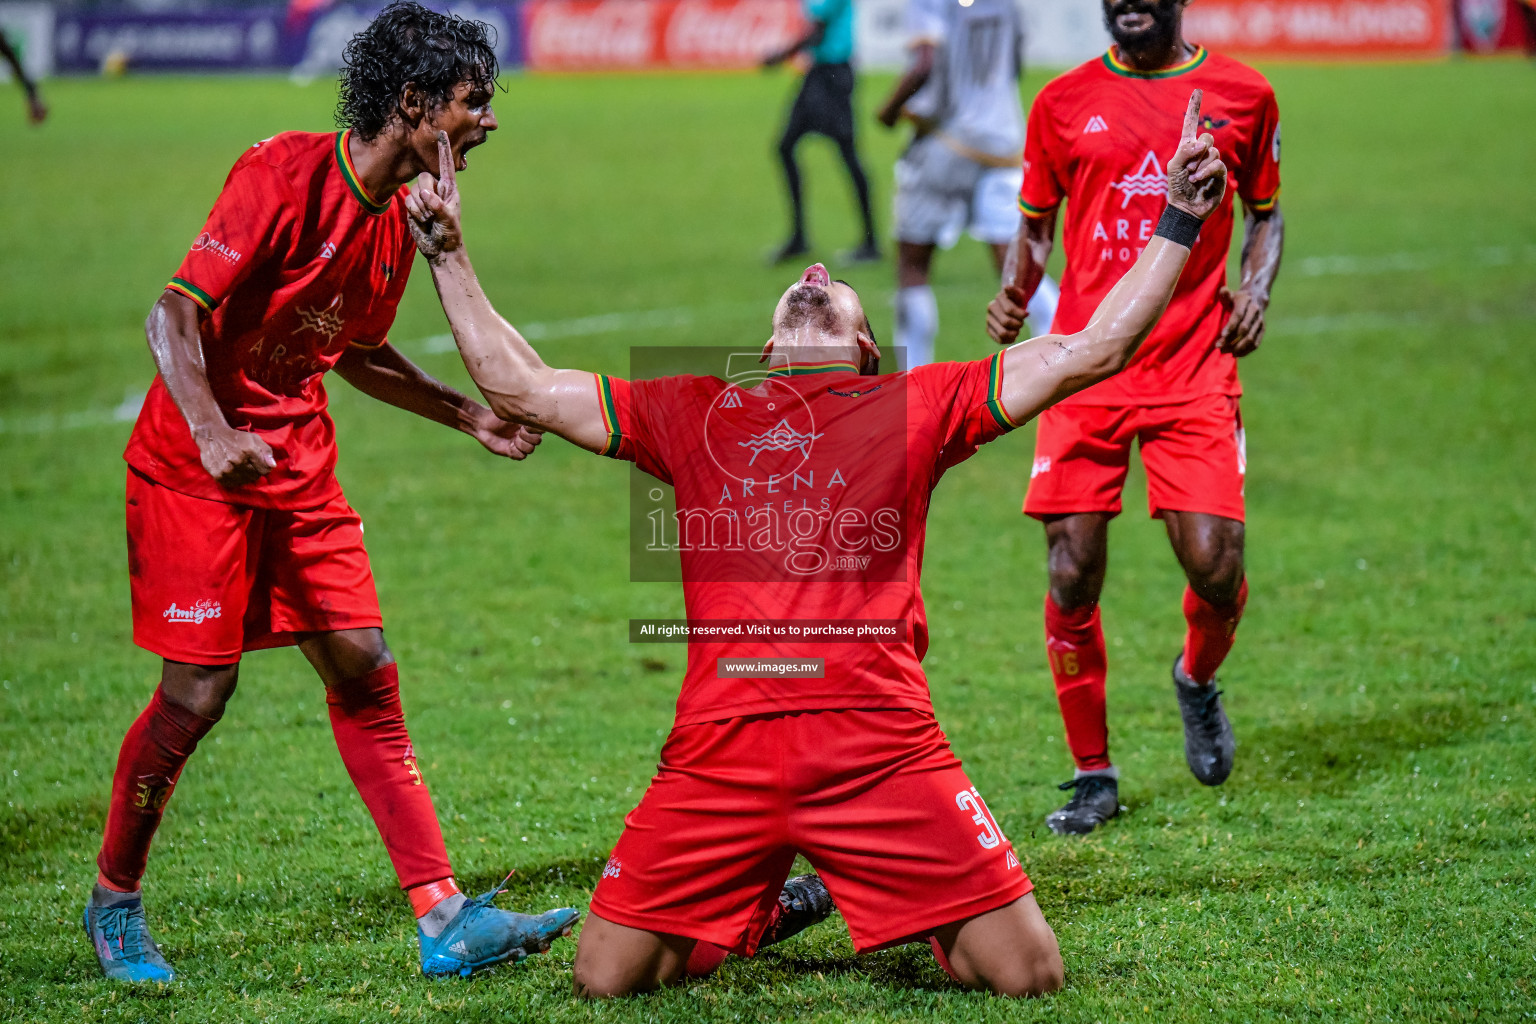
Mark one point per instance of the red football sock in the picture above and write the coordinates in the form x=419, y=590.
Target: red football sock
x=424, y=897
x=369, y=726
x=705, y=959
x=1212, y=628
x=149, y=762
x=1074, y=645
x=938, y=954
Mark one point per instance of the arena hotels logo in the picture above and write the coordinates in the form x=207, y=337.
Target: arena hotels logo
x=207, y=243
x=1149, y=180
x=1124, y=238
x=782, y=437
x=326, y=322
x=204, y=609
x=784, y=508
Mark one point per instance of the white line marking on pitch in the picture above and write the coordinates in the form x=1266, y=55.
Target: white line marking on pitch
x=1397, y=262
x=580, y=327
x=125, y=412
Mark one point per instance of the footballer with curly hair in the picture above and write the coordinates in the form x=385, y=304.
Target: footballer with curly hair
x=239, y=537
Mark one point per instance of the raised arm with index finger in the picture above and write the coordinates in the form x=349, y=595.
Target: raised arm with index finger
x=1044, y=370
x=519, y=386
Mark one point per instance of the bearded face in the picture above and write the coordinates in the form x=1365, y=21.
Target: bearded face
x=1143, y=26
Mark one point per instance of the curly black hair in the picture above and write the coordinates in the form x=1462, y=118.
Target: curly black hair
x=411, y=43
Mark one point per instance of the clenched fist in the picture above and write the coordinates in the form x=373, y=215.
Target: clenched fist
x=234, y=457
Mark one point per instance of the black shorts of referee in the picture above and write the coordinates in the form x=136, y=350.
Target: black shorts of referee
x=824, y=104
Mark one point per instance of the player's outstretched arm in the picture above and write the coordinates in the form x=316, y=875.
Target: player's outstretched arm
x=384, y=373
x=1042, y=371
x=509, y=373
x=232, y=457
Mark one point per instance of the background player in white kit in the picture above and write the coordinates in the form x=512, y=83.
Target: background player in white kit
x=962, y=169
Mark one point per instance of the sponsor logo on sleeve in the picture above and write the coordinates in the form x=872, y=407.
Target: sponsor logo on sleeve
x=207, y=243
x=1095, y=124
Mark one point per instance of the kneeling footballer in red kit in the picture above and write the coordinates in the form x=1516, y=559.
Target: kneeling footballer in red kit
x=812, y=484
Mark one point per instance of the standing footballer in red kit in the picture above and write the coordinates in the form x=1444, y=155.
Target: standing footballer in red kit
x=1097, y=137
x=239, y=537
x=803, y=493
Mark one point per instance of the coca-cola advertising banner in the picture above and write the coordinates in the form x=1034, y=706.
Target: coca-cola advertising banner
x=1321, y=28
x=585, y=35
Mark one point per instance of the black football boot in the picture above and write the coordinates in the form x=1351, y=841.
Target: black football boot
x=803, y=902
x=1096, y=799
x=1208, y=744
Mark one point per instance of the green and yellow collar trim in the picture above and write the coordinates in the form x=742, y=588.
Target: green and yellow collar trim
x=353, y=179
x=801, y=369
x=1117, y=66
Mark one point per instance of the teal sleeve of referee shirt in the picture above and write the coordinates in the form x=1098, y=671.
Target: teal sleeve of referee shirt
x=836, y=46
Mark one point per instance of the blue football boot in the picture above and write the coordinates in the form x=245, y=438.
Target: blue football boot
x=123, y=946
x=480, y=937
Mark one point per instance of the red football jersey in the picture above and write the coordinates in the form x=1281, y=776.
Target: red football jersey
x=805, y=497
x=295, y=263
x=1100, y=136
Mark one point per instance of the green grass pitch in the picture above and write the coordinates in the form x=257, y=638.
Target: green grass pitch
x=1370, y=858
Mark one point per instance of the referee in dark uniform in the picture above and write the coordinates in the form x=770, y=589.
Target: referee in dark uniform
x=824, y=105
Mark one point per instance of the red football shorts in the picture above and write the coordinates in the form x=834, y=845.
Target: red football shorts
x=875, y=800
x=211, y=580
x=1194, y=454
